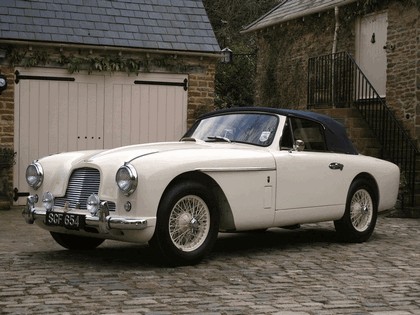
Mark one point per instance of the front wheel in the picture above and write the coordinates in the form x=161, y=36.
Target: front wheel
x=187, y=224
x=361, y=212
x=75, y=242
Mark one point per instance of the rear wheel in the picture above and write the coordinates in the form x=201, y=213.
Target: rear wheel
x=359, y=219
x=75, y=242
x=187, y=224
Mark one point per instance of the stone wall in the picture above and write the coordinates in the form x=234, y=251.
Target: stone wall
x=7, y=109
x=284, y=51
x=403, y=73
x=6, y=133
x=201, y=93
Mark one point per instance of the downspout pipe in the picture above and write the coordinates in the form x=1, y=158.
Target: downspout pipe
x=337, y=27
x=334, y=50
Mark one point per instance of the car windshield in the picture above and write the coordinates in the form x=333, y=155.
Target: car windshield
x=258, y=129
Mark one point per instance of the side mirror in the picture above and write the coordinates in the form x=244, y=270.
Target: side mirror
x=299, y=145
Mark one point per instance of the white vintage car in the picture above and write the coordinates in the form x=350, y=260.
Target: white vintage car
x=235, y=170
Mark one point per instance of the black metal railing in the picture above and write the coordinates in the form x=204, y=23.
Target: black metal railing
x=331, y=81
x=337, y=81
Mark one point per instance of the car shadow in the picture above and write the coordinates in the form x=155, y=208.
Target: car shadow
x=275, y=239
x=114, y=255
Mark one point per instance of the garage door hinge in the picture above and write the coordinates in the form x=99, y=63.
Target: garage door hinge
x=17, y=194
x=19, y=77
x=183, y=84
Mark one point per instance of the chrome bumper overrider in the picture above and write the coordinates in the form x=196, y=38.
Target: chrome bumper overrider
x=101, y=221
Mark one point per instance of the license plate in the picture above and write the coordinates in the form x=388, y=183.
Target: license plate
x=68, y=220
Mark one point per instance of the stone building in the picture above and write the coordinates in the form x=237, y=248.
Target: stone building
x=381, y=38
x=100, y=74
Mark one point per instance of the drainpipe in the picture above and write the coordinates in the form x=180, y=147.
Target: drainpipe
x=337, y=27
x=334, y=50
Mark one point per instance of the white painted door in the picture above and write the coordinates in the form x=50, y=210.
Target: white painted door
x=371, y=38
x=56, y=112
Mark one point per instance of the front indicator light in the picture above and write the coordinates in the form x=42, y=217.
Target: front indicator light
x=127, y=179
x=34, y=175
x=127, y=206
x=48, y=201
x=93, y=203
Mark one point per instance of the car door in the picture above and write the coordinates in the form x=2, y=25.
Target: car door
x=308, y=178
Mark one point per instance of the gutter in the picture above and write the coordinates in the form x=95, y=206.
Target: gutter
x=217, y=55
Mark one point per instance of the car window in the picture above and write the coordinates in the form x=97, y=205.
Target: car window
x=286, y=142
x=258, y=129
x=310, y=132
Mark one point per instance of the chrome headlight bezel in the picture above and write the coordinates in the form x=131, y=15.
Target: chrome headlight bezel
x=127, y=179
x=34, y=175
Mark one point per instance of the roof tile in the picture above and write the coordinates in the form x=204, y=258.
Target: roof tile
x=158, y=24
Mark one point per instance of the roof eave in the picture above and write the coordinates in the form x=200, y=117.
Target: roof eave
x=215, y=54
x=298, y=15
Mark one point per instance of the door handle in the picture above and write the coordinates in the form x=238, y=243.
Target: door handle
x=336, y=166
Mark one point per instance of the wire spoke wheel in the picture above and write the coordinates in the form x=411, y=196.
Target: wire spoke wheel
x=359, y=218
x=361, y=210
x=189, y=223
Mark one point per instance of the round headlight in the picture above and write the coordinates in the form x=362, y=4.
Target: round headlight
x=126, y=179
x=48, y=201
x=92, y=204
x=34, y=175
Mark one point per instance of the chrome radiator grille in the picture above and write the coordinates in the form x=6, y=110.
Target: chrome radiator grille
x=83, y=182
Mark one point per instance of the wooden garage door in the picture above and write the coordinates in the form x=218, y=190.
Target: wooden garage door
x=149, y=108
x=57, y=112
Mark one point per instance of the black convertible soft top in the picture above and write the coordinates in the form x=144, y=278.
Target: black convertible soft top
x=335, y=132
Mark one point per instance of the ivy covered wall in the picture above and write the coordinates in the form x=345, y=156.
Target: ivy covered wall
x=284, y=50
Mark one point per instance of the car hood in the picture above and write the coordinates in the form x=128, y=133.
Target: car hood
x=133, y=152
x=117, y=155
x=129, y=154
x=156, y=159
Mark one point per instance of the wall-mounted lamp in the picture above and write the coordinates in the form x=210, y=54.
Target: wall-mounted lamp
x=3, y=83
x=227, y=55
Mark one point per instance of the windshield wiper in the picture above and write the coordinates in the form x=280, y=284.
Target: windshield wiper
x=219, y=138
x=188, y=139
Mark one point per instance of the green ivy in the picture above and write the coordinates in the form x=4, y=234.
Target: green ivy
x=75, y=63
x=7, y=157
x=372, y=5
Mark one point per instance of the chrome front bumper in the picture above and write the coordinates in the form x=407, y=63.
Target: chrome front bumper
x=102, y=221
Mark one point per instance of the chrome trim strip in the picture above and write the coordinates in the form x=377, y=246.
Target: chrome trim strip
x=236, y=169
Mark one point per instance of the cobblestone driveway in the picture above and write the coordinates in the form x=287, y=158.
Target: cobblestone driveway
x=300, y=272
